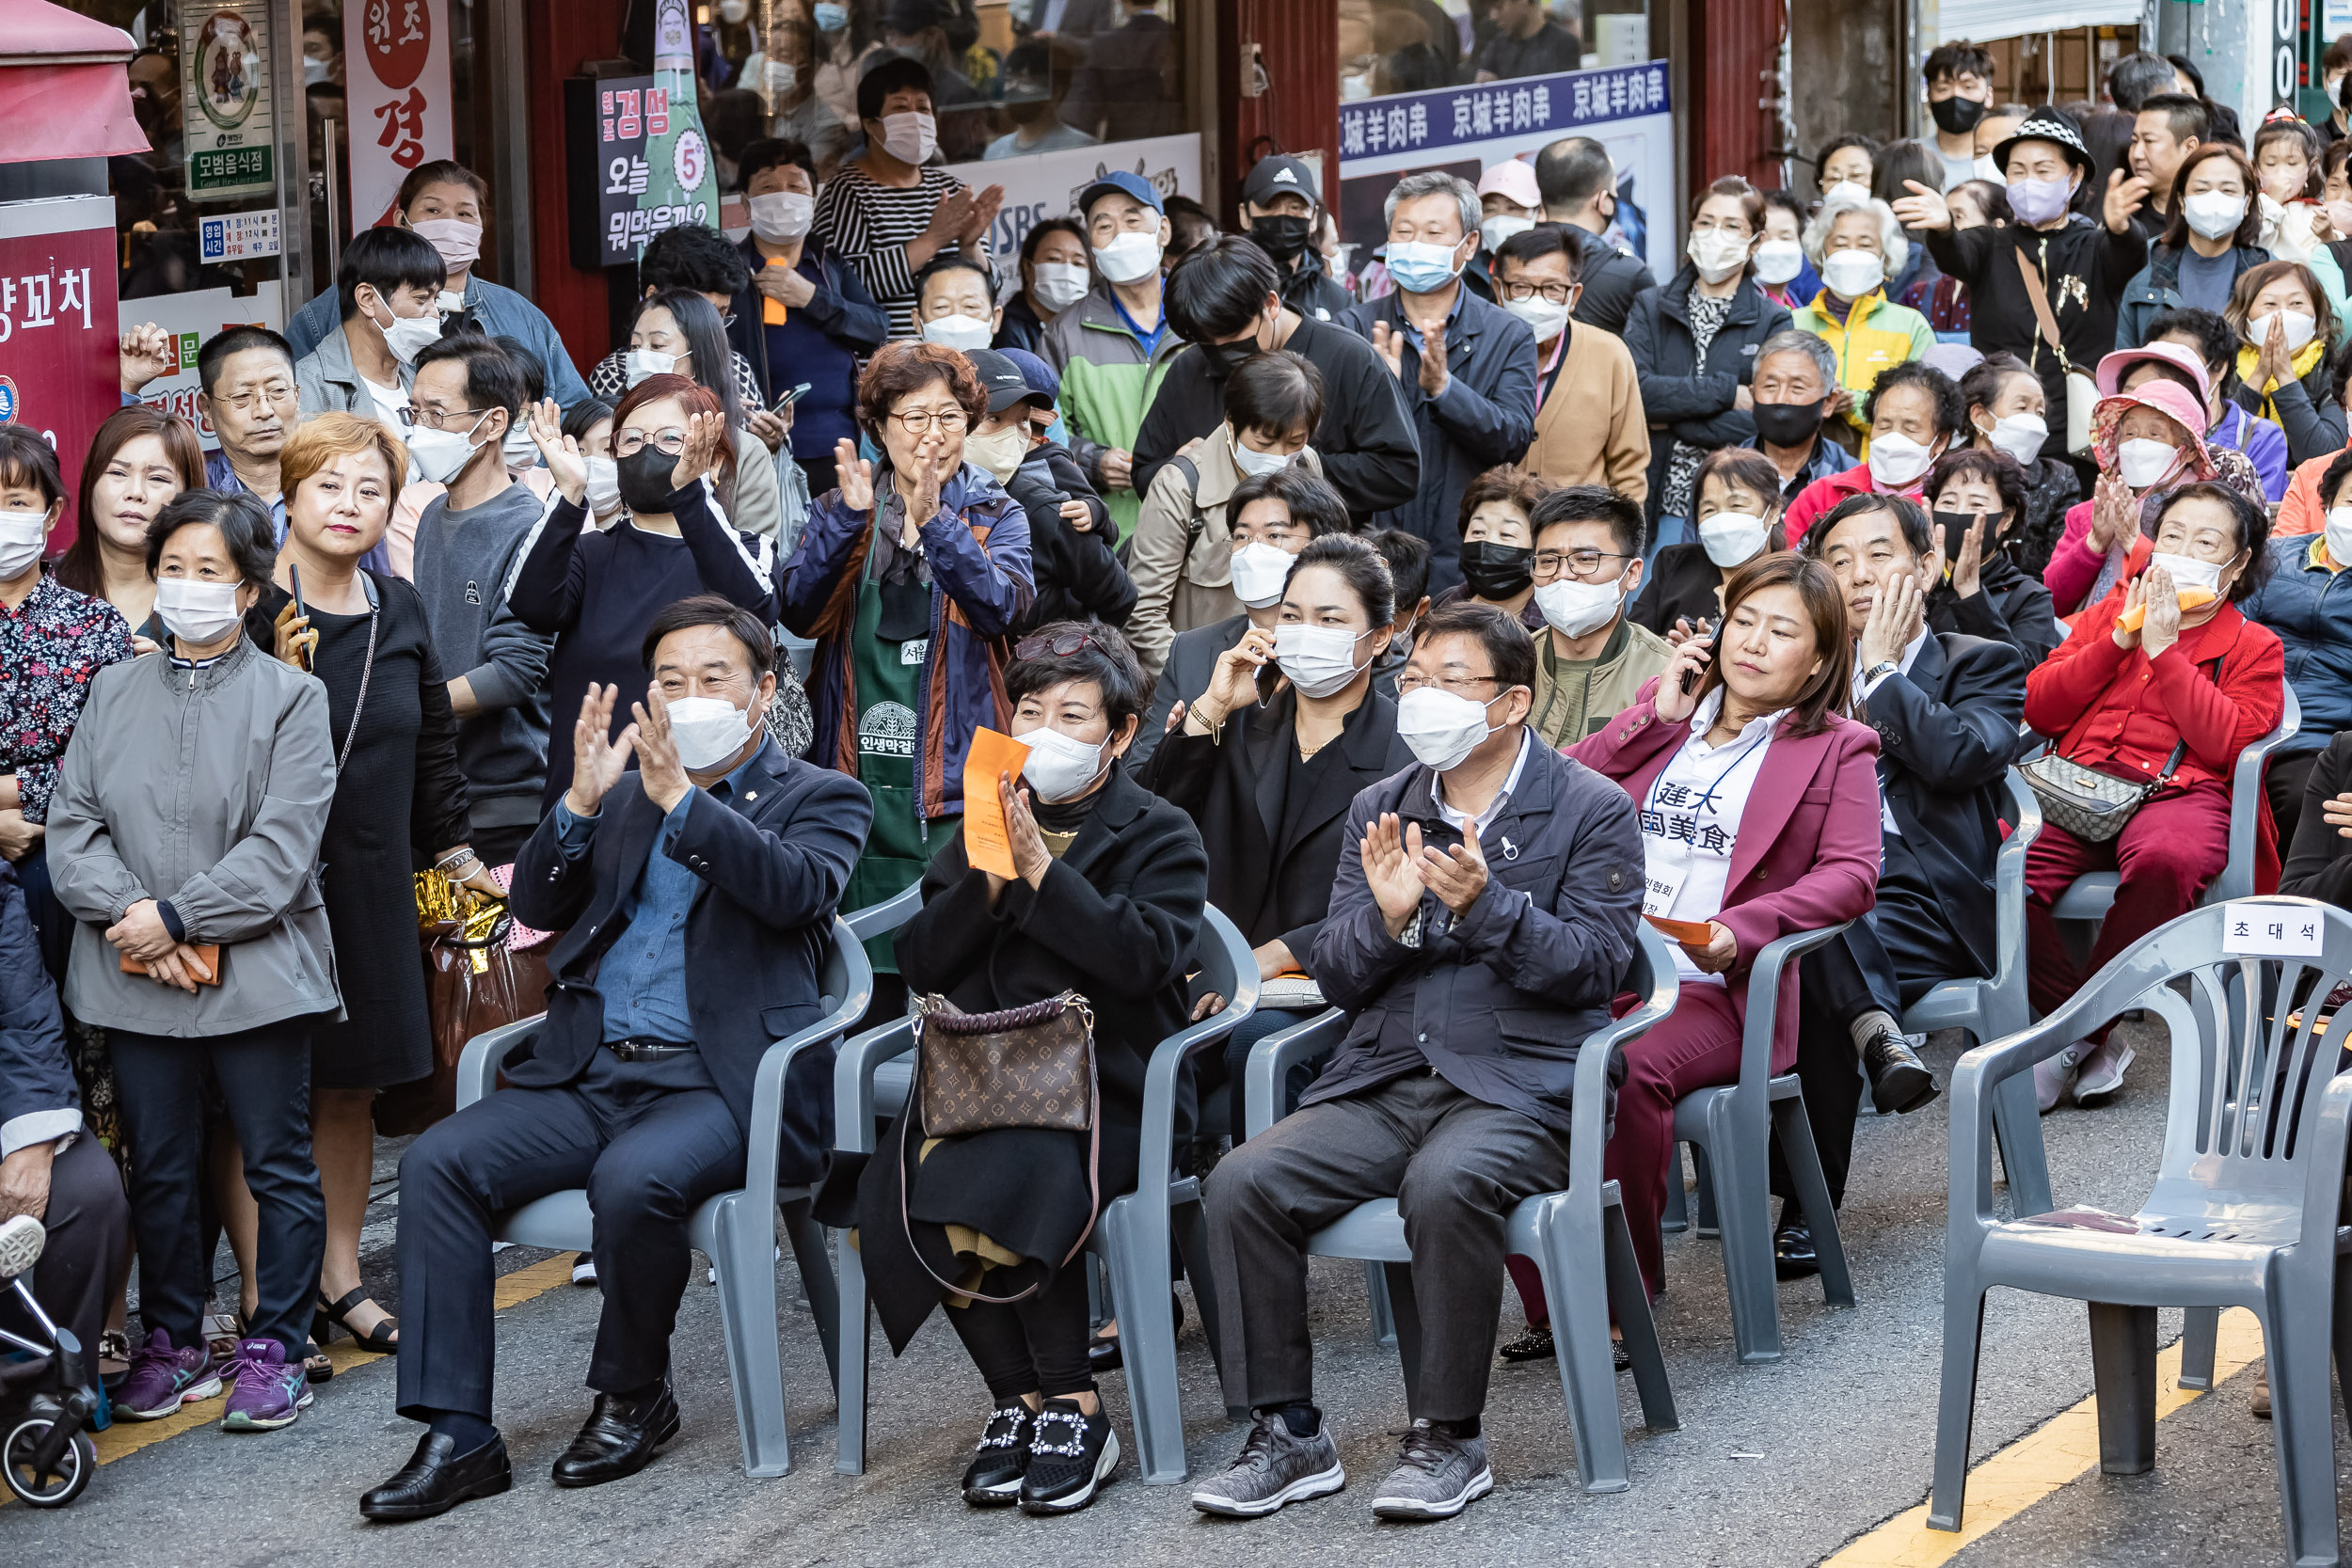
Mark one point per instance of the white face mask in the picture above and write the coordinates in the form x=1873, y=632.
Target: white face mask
x=1319, y=661
x=733, y=11
x=1131, y=256
x=1059, y=769
x=1716, y=254
x=1575, y=609
x=778, y=216
x=1896, y=460
x=643, y=362
x=2338, y=530
x=449, y=302
x=1502, y=227
x=1732, y=538
x=409, y=336
x=2019, y=436
x=1430, y=266
x=1442, y=728
x=519, y=448
x=604, y=485
x=2213, y=214
x=459, y=242
x=441, y=455
x=2142, y=462
x=1253, y=463
x=1543, y=318
x=1778, y=260
x=1852, y=273
x=1854, y=191
x=999, y=451
x=706, y=731
x=1059, y=285
x=911, y=138
x=196, y=612
x=1259, y=570
x=2300, y=329
x=1986, y=168
x=965, y=332
x=2188, y=572
x=783, y=76
x=22, y=535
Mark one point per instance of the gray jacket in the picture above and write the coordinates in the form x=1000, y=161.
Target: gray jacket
x=207, y=789
x=327, y=382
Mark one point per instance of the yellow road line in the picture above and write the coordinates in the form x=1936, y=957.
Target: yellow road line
x=2037, y=1465
x=125, y=1438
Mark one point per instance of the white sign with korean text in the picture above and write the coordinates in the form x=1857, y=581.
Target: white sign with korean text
x=226, y=99
x=1041, y=186
x=238, y=236
x=2259, y=929
x=396, y=62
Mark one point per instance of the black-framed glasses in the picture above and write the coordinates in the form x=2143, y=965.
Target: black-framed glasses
x=1556, y=293
x=1578, y=564
x=1460, y=686
x=1061, y=644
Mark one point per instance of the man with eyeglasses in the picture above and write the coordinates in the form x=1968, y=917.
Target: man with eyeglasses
x=1481, y=923
x=1592, y=660
x=1589, y=426
x=469, y=393
x=248, y=398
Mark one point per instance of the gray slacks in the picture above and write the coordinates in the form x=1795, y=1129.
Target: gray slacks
x=1456, y=1168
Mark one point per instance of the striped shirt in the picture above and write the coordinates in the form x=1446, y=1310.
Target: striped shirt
x=869, y=223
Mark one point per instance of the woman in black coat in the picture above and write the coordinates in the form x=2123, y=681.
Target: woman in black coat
x=400, y=803
x=1269, y=782
x=1109, y=903
x=1735, y=516
x=2319, y=860
x=1976, y=501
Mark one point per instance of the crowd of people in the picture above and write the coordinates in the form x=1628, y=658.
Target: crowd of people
x=1437, y=624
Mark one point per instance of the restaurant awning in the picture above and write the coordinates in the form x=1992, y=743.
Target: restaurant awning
x=63, y=89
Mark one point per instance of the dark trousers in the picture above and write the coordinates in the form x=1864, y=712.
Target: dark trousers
x=648, y=1154
x=1456, y=1168
x=2172, y=847
x=264, y=1080
x=87, y=1254
x=1031, y=1346
x=2284, y=782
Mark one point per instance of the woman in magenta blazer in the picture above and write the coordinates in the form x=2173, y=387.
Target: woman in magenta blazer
x=1760, y=814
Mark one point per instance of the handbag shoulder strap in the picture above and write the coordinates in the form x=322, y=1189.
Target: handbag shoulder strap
x=2039, y=292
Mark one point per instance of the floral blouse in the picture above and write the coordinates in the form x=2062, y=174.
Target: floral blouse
x=51, y=645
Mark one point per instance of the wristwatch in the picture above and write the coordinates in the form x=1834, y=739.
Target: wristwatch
x=1886, y=667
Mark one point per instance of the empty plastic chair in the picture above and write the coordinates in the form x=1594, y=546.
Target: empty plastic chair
x=1577, y=1238
x=736, y=1230
x=2243, y=1211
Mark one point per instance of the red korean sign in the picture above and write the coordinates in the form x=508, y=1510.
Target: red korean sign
x=396, y=65
x=58, y=371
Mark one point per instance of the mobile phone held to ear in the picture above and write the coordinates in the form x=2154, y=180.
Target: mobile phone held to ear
x=1698, y=678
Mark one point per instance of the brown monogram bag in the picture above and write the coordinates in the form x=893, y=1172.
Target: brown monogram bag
x=1022, y=1067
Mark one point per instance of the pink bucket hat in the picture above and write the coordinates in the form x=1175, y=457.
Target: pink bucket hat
x=2116, y=366
x=1512, y=178
x=2169, y=398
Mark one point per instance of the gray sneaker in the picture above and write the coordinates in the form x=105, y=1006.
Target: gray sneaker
x=1274, y=1469
x=1440, y=1477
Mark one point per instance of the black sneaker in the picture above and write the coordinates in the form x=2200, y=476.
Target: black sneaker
x=1070, y=1454
x=1534, y=1345
x=992, y=1480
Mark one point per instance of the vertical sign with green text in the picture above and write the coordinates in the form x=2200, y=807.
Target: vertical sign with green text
x=229, y=110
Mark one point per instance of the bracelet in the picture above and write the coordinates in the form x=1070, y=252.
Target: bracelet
x=449, y=864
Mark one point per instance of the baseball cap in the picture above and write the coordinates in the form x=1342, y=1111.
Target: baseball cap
x=1273, y=175
x=1042, y=382
x=1003, y=379
x=1128, y=185
x=1513, y=179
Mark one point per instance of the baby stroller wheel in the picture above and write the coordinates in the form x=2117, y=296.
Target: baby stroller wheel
x=58, y=1487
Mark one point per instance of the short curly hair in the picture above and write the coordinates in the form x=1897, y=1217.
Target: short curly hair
x=901, y=367
x=1950, y=411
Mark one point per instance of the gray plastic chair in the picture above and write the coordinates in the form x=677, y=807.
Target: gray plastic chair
x=2244, y=1212
x=1132, y=1236
x=1991, y=1010
x=1729, y=1129
x=736, y=1230
x=1577, y=1238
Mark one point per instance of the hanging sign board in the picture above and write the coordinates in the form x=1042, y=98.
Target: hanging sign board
x=396, y=60
x=229, y=113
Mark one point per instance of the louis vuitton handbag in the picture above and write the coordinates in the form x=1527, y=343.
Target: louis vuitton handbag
x=1030, y=1065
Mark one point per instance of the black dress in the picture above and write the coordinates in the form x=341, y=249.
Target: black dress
x=398, y=796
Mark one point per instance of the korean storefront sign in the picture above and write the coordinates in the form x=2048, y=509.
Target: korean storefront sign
x=228, y=109
x=58, y=370
x=396, y=62
x=1465, y=128
x=655, y=172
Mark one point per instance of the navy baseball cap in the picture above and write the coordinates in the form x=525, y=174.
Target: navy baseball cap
x=1044, y=384
x=1126, y=184
x=1269, y=177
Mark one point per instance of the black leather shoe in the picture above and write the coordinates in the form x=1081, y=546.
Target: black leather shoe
x=992, y=1480
x=437, y=1478
x=1793, y=1257
x=1898, y=1080
x=619, y=1438
x=1103, y=1354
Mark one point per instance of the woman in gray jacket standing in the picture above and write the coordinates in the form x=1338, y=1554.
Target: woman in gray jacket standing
x=185, y=836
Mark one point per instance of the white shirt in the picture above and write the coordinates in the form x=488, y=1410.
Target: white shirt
x=1862, y=692
x=1456, y=819
x=1690, y=821
x=390, y=401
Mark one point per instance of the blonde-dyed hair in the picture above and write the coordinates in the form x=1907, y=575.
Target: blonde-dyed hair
x=319, y=440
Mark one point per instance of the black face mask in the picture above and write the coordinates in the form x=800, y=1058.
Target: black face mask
x=1222, y=359
x=1281, y=236
x=1788, y=424
x=1952, y=527
x=644, y=479
x=1955, y=114
x=1496, y=571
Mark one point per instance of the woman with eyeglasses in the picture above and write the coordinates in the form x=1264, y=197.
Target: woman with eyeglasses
x=679, y=332
x=908, y=576
x=598, y=592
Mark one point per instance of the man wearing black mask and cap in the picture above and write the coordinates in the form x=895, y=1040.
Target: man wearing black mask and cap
x=1280, y=205
x=1796, y=376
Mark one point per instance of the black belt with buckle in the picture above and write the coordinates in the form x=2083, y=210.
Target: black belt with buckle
x=646, y=1051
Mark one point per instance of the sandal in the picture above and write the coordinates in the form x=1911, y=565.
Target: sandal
x=334, y=1315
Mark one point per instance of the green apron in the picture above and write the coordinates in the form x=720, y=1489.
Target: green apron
x=888, y=680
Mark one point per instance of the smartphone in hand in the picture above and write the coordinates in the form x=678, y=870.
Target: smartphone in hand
x=1698, y=678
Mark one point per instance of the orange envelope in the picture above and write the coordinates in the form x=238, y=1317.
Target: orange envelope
x=2191, y=599
x=1690, y=933
x=986, y=843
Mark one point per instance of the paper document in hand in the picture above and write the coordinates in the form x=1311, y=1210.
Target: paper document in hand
x=986, y=844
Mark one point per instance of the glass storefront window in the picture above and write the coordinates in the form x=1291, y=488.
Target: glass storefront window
x=1394, y=46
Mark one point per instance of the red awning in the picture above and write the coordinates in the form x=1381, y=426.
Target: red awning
x=63, y=91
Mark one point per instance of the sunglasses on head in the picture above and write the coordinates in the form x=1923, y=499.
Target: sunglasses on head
x=1061, y=644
